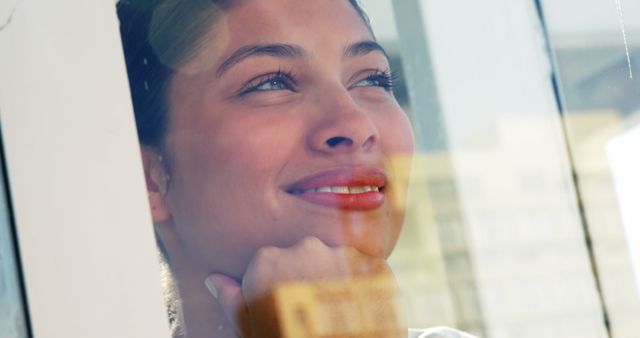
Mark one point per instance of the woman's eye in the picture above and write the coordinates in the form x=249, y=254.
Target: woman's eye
x=277, y=81
x=272, y=85
x=379, y=79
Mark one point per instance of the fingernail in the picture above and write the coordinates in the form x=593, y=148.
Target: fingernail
x=211, y=287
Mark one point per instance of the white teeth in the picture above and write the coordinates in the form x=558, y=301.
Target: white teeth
x=356, y=190
x=340, y=190
x=345, y=190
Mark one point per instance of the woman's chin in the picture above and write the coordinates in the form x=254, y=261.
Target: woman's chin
x=371, y=245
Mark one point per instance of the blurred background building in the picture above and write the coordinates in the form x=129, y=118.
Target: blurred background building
x=514, y=227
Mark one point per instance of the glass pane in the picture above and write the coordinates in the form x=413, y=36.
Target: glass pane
x=275, y=144
x=13, y=322
x=493, y=243
x=596, y=45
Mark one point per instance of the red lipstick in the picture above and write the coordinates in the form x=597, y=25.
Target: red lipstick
x=358, y=188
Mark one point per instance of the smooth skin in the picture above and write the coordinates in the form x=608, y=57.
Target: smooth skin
x=308, y=97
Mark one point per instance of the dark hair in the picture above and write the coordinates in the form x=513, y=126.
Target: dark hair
x=157, y=37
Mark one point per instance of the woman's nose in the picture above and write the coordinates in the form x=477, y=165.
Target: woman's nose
x=343, y=127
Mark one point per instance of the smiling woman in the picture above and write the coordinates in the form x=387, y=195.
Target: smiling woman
x=270, y=140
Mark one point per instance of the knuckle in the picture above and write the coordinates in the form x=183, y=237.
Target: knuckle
x=267, y=253
x=310, y=242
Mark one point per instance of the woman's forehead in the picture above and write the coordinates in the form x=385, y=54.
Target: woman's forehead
x=316, y=27
x=269, y=20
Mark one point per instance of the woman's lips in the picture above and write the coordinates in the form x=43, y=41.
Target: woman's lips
x=360, y=188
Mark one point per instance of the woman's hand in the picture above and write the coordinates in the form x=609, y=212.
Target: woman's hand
x=310, y=260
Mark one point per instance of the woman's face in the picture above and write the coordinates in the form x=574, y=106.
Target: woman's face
x=282, y=127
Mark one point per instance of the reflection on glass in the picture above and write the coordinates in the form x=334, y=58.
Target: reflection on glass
x=597, y=53
x=625, y=167
x=13, y=322
x=277, y=161
x=494, y=240
x=273, y=147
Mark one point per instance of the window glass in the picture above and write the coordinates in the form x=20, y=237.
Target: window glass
x=596, y=47
x=494, y=241
x=304, y=170
x=13, y=322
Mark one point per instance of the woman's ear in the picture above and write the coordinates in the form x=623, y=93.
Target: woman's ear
x=157, y=183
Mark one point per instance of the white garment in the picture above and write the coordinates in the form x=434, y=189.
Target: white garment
x=438, y=332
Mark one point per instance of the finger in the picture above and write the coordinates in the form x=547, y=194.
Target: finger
x=229, y=294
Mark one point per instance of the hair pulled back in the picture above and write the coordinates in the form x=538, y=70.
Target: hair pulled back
x=158, y=36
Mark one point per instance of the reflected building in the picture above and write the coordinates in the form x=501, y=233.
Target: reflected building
x=494, y=241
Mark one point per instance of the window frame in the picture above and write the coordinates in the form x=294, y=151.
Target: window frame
x=85, y=234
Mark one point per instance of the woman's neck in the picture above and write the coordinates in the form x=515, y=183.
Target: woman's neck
x=202, y=315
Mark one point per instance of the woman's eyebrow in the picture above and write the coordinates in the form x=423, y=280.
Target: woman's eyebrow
x=275, y=50
x=363, y=48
